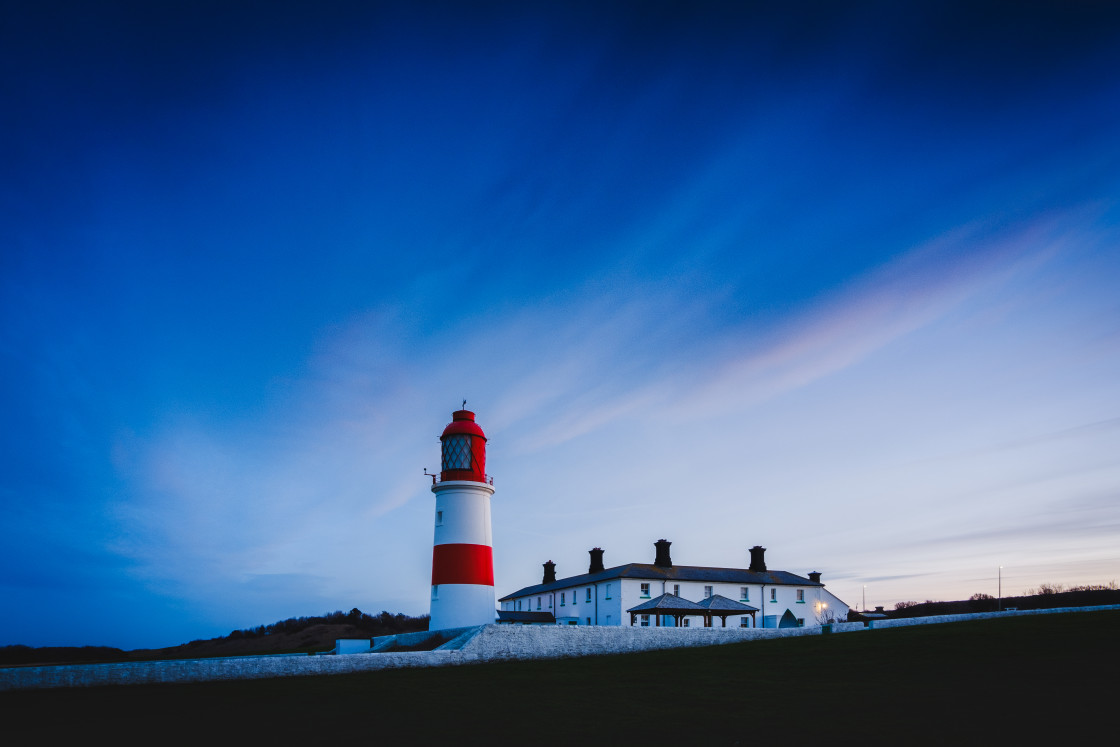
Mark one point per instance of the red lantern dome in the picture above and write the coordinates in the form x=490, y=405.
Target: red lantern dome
x=464, y=449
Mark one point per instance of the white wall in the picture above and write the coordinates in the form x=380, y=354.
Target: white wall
x=576, y=605
x=351, y=645
x=465, y=509
x=459, y=605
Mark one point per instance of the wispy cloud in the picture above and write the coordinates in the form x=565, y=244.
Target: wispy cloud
x=871, y=312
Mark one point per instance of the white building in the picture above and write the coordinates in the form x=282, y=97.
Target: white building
x=605, y=596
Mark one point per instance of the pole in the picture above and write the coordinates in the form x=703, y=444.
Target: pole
x=999, y=607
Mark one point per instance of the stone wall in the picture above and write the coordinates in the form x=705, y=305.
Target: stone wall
x=207, y=670
x=498, y=642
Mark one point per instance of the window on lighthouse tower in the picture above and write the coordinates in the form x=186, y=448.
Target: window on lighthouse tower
x=457, y=452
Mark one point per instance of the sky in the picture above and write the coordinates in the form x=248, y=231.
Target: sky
x=837, y=279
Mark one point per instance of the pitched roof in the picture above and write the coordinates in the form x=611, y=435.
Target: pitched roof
x=720, y=603
x=669, y=603
x=674, y=573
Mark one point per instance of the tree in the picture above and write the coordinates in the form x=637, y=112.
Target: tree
x=1045, y=589
x=981, y=602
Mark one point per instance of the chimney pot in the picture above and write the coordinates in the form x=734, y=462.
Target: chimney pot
x=549, y=572
x=758, y=559
x=815, y=576
x=661, y=558
x=596, y=560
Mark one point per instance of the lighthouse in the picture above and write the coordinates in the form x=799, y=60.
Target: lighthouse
x=462, y=555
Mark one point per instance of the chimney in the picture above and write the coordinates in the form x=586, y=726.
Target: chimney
x=815, y=576
x=549, y=572
x=758, y=561
x=596, y=560
x=662, y=558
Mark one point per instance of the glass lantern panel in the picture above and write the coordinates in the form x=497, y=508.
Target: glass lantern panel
x=457, y=452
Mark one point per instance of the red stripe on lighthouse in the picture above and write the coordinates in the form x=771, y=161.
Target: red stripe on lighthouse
x=463, y=564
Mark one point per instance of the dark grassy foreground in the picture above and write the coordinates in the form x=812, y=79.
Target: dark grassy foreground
x=1026, y=678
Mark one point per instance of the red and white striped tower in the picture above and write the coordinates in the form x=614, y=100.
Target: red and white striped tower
x=463, y=555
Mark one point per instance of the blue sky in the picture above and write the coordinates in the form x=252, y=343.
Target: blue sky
x=836, y=279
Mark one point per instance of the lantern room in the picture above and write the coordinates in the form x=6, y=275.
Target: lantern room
x=464, y=449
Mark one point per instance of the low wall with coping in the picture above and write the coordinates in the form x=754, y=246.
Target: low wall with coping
x=453, y=639
x=210, y=670
x=468, y=646
x=500, y=642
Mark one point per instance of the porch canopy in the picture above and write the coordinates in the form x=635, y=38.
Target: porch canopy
x=722, y=607
x=667, y=604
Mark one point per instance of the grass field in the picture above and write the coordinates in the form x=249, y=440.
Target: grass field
x=1025, y=679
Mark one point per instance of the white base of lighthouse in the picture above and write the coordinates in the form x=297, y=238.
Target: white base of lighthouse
x=461, y=606
x=462, y=557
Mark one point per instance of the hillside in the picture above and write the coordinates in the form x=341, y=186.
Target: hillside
x=1049, y=597
x=1030, y=679
x=294, y=635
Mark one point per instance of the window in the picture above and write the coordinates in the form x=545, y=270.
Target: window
x=538, y=602
x=773, y=595
x=801, y=622
x=435, y=592
x=645, y=618
x=518, y=605
x=707, y=592
x=744, y=594
x=561, y=599
x=645, y=595
x=573, y=622
x=687, y=623
x=589, y=621
x=744, y=622
x=608, y=596
x=801, y=595
x=550, y=601
x=439, y=518
x=589, y=593
x=457, y=452
x=676, y=590
x=608, y=619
